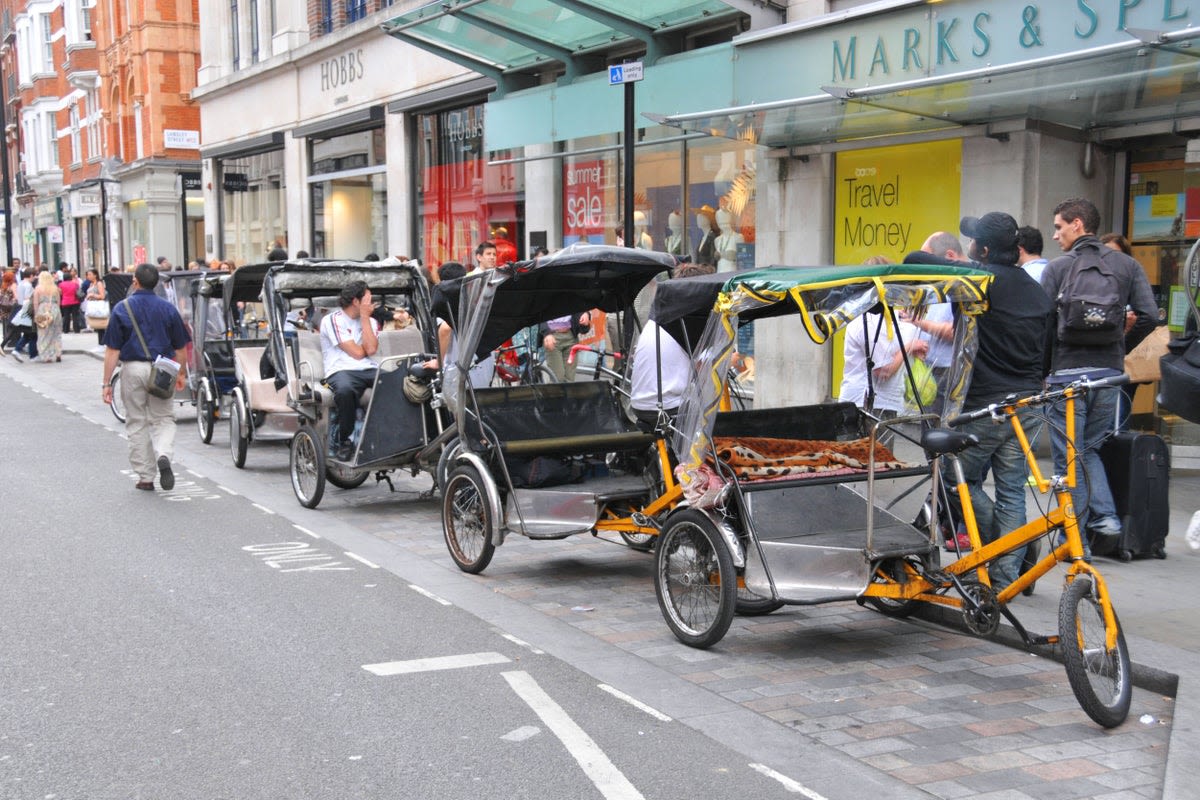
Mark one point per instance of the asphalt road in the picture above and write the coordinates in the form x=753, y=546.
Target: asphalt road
x=195, y=645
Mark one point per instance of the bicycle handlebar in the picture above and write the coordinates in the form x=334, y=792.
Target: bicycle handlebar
x=998, y=410
x=577, y=348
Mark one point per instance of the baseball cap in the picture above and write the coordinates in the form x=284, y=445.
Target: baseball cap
x=994, y=229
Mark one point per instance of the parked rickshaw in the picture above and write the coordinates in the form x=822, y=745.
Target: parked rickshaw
x=783, y=503
x=394, y=432
x=546, y=460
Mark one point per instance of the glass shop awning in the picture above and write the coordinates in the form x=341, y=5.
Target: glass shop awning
x=1121, y=86
x=500, y=38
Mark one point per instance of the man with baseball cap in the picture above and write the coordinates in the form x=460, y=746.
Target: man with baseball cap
x=1011, y=360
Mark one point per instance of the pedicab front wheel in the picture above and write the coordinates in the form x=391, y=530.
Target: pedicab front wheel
x=307, y=466
x=1099, y=677
x=346, y=477
x=118, y=402
x=467, y=522
x=206, y=410
x=694, y=579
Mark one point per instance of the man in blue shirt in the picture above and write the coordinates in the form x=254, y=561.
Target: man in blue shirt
x=149, y=420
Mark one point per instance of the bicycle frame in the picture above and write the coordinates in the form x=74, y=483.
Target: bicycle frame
x=924, y=588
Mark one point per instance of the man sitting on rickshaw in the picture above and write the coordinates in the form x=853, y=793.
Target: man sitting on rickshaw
x=347, y=346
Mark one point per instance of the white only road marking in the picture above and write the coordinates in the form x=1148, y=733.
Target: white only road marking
x=430, y=595
x=591, y=759
x=434, y=664
x=788, y=783
x=361, y=559
x=523, y=643
x=306, y=532
x=633, y=701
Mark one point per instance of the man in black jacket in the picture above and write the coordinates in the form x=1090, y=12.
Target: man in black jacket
x=1075, y=224
x=1012, y=339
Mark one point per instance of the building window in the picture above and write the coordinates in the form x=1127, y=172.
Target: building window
x=326, y=16
x=139, y=148
x=254, y=32
x=53, y=141
x=85, y=19
x=355, y=10
x=253, y=206
x=47, y=44
x=75, y=141
x=348, y=191
x=93, y=123
x=234, y=34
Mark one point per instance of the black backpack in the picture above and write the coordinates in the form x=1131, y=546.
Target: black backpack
x=1091, y=309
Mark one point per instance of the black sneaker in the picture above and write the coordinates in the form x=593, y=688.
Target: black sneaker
x=345, y=451
x=166, y=478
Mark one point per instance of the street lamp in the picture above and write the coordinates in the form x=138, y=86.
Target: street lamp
x=4, y=176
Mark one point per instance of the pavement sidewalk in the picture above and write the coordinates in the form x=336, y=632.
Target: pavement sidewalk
x=1161, y=618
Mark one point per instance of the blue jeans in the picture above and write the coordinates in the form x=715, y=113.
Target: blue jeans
x=1093, y=500
x=1000, y=450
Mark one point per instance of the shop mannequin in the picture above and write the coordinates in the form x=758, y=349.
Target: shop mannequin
x=727, y=242
x=706, y=249
x=675, y=236
x=641, y=239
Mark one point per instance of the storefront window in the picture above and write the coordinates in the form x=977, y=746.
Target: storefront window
x=253, y=207
x=137, y=215
x=1164, y=222
x=461, y=201
x=349, y=196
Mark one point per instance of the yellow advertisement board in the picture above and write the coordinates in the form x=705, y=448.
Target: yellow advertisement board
x=889, y=200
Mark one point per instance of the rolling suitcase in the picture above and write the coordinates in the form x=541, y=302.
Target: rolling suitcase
x=1138, y=470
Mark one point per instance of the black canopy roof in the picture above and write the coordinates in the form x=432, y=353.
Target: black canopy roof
x=577, y=279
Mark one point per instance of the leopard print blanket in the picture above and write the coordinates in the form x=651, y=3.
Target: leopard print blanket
x=762, y=458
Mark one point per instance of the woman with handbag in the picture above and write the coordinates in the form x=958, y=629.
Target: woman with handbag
x=8, y=301
x=47, y=316
x=96, y=307
x=71, y=296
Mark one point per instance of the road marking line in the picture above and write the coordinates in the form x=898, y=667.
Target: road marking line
x=360, y=558
x=193, y=473
x=788, y=783
x=227, y=490
x=523, y=643
x=263, y=509
x=633, y=701
x=306, y=532
x=434, y=664
x=591, y=759
x=430, y=595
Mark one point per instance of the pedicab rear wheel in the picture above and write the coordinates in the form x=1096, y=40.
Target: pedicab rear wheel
x=694, y=579
x=118, y=402
x=892, y=570
x=206, y=411
x=239, y=442
x=346, y=477
x=307, y=467
x=1099, y=677
x=467, y=523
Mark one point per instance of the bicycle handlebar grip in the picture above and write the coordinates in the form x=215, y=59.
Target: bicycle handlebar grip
x=971, y=416
x=1104, y=383
x=575, y=348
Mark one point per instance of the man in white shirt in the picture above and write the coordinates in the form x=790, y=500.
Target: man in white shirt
x=347, y=346
x=1029, y=251
x=675, y=368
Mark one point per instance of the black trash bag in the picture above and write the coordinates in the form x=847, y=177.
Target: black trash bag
x=539, y=471
x=1179, y=387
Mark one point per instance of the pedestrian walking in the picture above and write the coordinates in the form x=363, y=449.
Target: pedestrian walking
x=141, y=328
x=47, y=316
x=73, y=294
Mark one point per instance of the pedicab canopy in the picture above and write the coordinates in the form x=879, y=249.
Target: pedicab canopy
x=487, y=308
x=827, y=300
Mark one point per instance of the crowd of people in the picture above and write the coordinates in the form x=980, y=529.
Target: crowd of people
x=37, y=306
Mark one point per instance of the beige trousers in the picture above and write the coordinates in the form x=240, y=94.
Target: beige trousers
x=149, y=420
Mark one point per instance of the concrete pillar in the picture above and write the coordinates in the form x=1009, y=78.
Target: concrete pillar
x=399, y=182
x=298, y=197
x=163, y=212
x=543, y=207
x=795, y=219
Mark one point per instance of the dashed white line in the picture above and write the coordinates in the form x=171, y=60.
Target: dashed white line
x=306, y=531
x=788, y=783
x=523, y=643
x=361, y=559
x=435, y=664
x=591, y=759
x=430, y=595
x=193, y=473
x=633, y=701
x=227, y=490
x=263, y=509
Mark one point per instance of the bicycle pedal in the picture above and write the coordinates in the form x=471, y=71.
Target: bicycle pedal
x=1044, y=641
